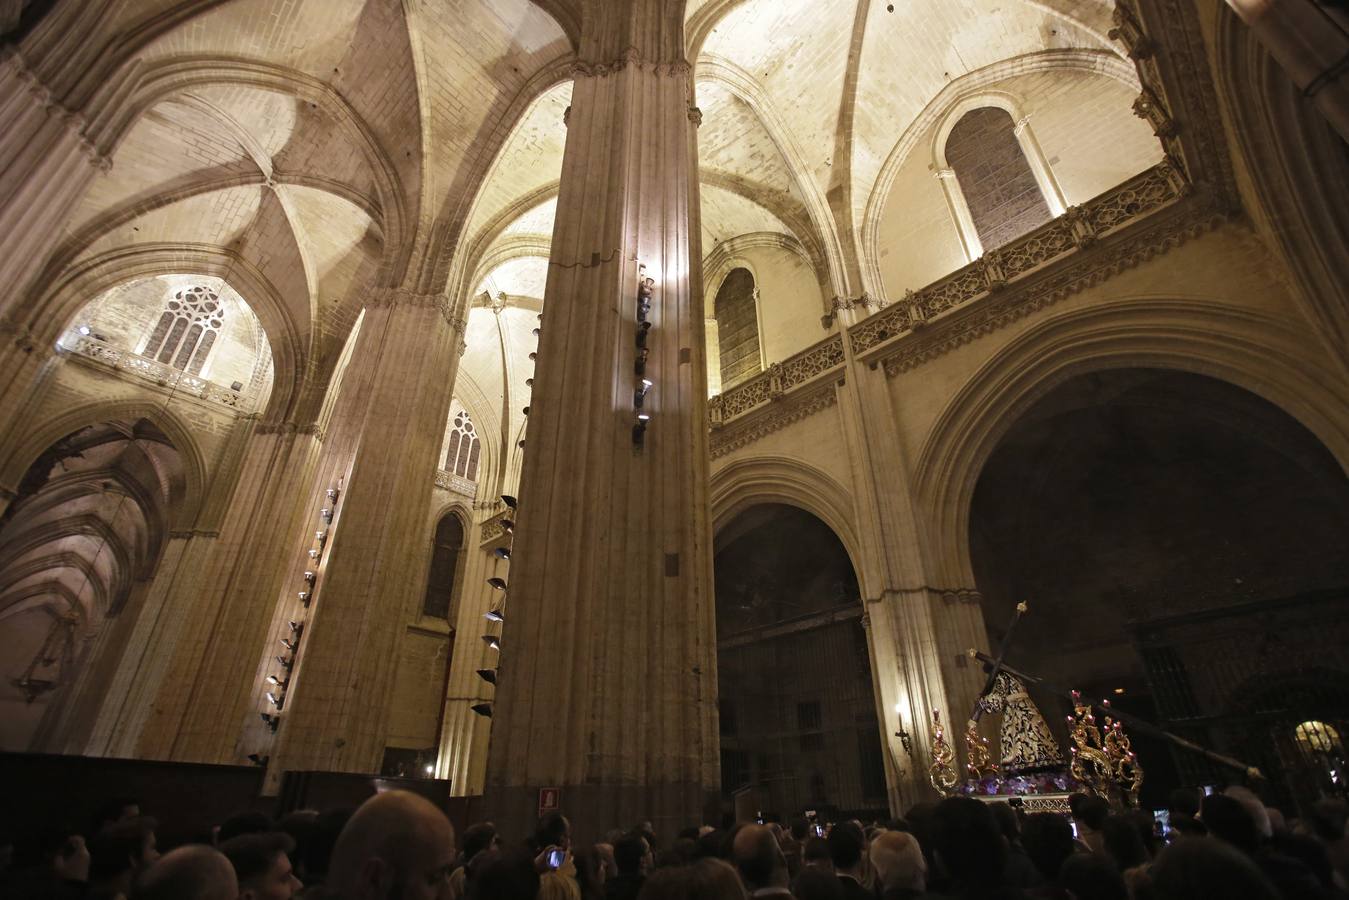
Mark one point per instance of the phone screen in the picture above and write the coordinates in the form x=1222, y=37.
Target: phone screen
x=555, y=858
x=1074, y=824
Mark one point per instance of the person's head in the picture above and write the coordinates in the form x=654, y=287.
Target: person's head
x=815, y=855
x=504, y=876
x=553, y=831
x=478, y=838
x=817, y=884
x=590, y=871
x=247, y=822
x=1200, y=869
x=846, y=843
x=301, y=825
x=800, y=828
x=396, y=844
x=899, y=861
x=317, y=853
x=1007, y=821
x=1255, y=808
x=1183, y=801
x=123, y=849
x=1327, y=820
x=1123, y=844
x=710, y=844
x=605, y=851
x=60, y=851
x=758, y=858
x=1048, y=840
x=632, y=854
x=1091, y=876
x=706, y=879
x=194, y=872
x=1089, y=811
x=116, y=809
x=1228, y=820
x=262, y=865
x=968, y=842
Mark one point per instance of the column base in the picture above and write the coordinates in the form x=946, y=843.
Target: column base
x=594, y=809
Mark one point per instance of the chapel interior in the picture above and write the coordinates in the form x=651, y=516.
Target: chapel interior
x=657, y=401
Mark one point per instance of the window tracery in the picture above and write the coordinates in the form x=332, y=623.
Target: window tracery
x=461, y=457
x=187, y=329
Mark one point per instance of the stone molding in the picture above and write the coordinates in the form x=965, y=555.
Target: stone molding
x=746, y=431
x=124, y=362
x=290, y=428
x=191, y=533
x=840, y=304
x=456, y=484
x=72, y=121
x=631, y=58
x=777, y=379
x=404, y=298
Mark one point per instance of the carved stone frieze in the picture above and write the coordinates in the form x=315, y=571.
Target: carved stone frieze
x=456, y=484
x=765, y=421
x=779, y=378
x=393, y=298
x=631, y=58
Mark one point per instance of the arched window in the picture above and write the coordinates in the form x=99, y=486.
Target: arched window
x=444, y=566
x=736, y=309
x=998, y=184
x=187, y=329
x=461, y=456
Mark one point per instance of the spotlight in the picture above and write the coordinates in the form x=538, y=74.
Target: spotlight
x=482, y=709
x=309, y=576
x=288, y=644
x=326, y=514
x=494, y=615
x=296, y=627
x=520, y=443
x=332, y=494
x=321, y=537
x=273, y=699
x=430, y=770
x=533, y=356
x=304, y=598
x=508, y=526
x=313, y=554
x=502, y=553
x=525, y=410
x=529, y=382
x=270, y=721
x=639, y=366
x=488, y=675
x=285, y=662
x=258, y=760
x=272, y=679
x=643, y=417
x=639, y=434
x=83, y=329
x=509, y=501
x=642, y=329
x=496, y=583
x=492, y=641
x=537, y=332
x=639, y=393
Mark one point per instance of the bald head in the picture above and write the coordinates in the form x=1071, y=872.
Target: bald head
x=899, y=861
x=759, y=858
x=395, y=839
x=194, y=872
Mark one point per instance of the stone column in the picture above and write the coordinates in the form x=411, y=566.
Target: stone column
x=607, y=685
x=383, y=448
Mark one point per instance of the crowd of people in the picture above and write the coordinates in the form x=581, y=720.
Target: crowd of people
x=400, y=846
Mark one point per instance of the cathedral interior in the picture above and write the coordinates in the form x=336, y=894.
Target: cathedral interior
x=656, y=401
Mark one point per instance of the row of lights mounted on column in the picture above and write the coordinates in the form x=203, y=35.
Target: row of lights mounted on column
x=646, y=290
x=280, y=681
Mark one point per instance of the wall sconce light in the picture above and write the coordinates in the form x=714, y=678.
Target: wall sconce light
x=296, y=627
x=482, y=709
x=529, y=382
x=313, y=554
x=537, y=332
x=272, y=679
x=494, y=615
x=496, y=584
x=270, y=721
x=304, y=598
x=502, y=553
x=258, y=760
x=331, y=494
x=533, y=356
x=488, y=675
x=492, y=641
x=309, y=576
x=276, y=701
x=321, y=537
x=904, y=739
x=525, y=410
x=285, y=662
x=288, y=644
x=642, y=330
x=520, y=443
x=326, y=514
x=640, y=392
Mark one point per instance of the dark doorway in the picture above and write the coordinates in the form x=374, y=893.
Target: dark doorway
x=1179, y=541
x=798, y=713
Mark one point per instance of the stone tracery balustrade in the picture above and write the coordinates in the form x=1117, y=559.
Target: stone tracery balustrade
x=456, y=484
x=994, y=272
x=149, y=369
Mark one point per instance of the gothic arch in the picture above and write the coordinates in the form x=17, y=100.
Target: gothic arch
x=52, y=310
x=1250, y=350
x=780, y=479
x=16, y=460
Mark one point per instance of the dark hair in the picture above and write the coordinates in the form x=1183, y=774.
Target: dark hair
x=706, y=879
x=1198, y=869
x=509, y=876
x=317, y=853
x=247, y=822
x=845, y=845
x=1089, y=809
x=680, y=853
x=1183, y=801
x=628, y=853
x=588, y=864
x=110, y=812
x=552, y=830
x=968, y=841
x=800, y=828
x=478, y=838
x=691, y=833
x=710, y=845
x=301, y=825
x=1090, y=876
x=115, y=849
x=1123, y=842
x=1007, y=820
x=253, y=855
x=1226, y=818
x=901, y=825
x=757, y=862
x=816, y=848
x=1048, y=839
x=812, y=884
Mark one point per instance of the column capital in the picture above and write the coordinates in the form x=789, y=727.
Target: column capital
x=72, y=121
x=630, y=58
x=406, y=298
